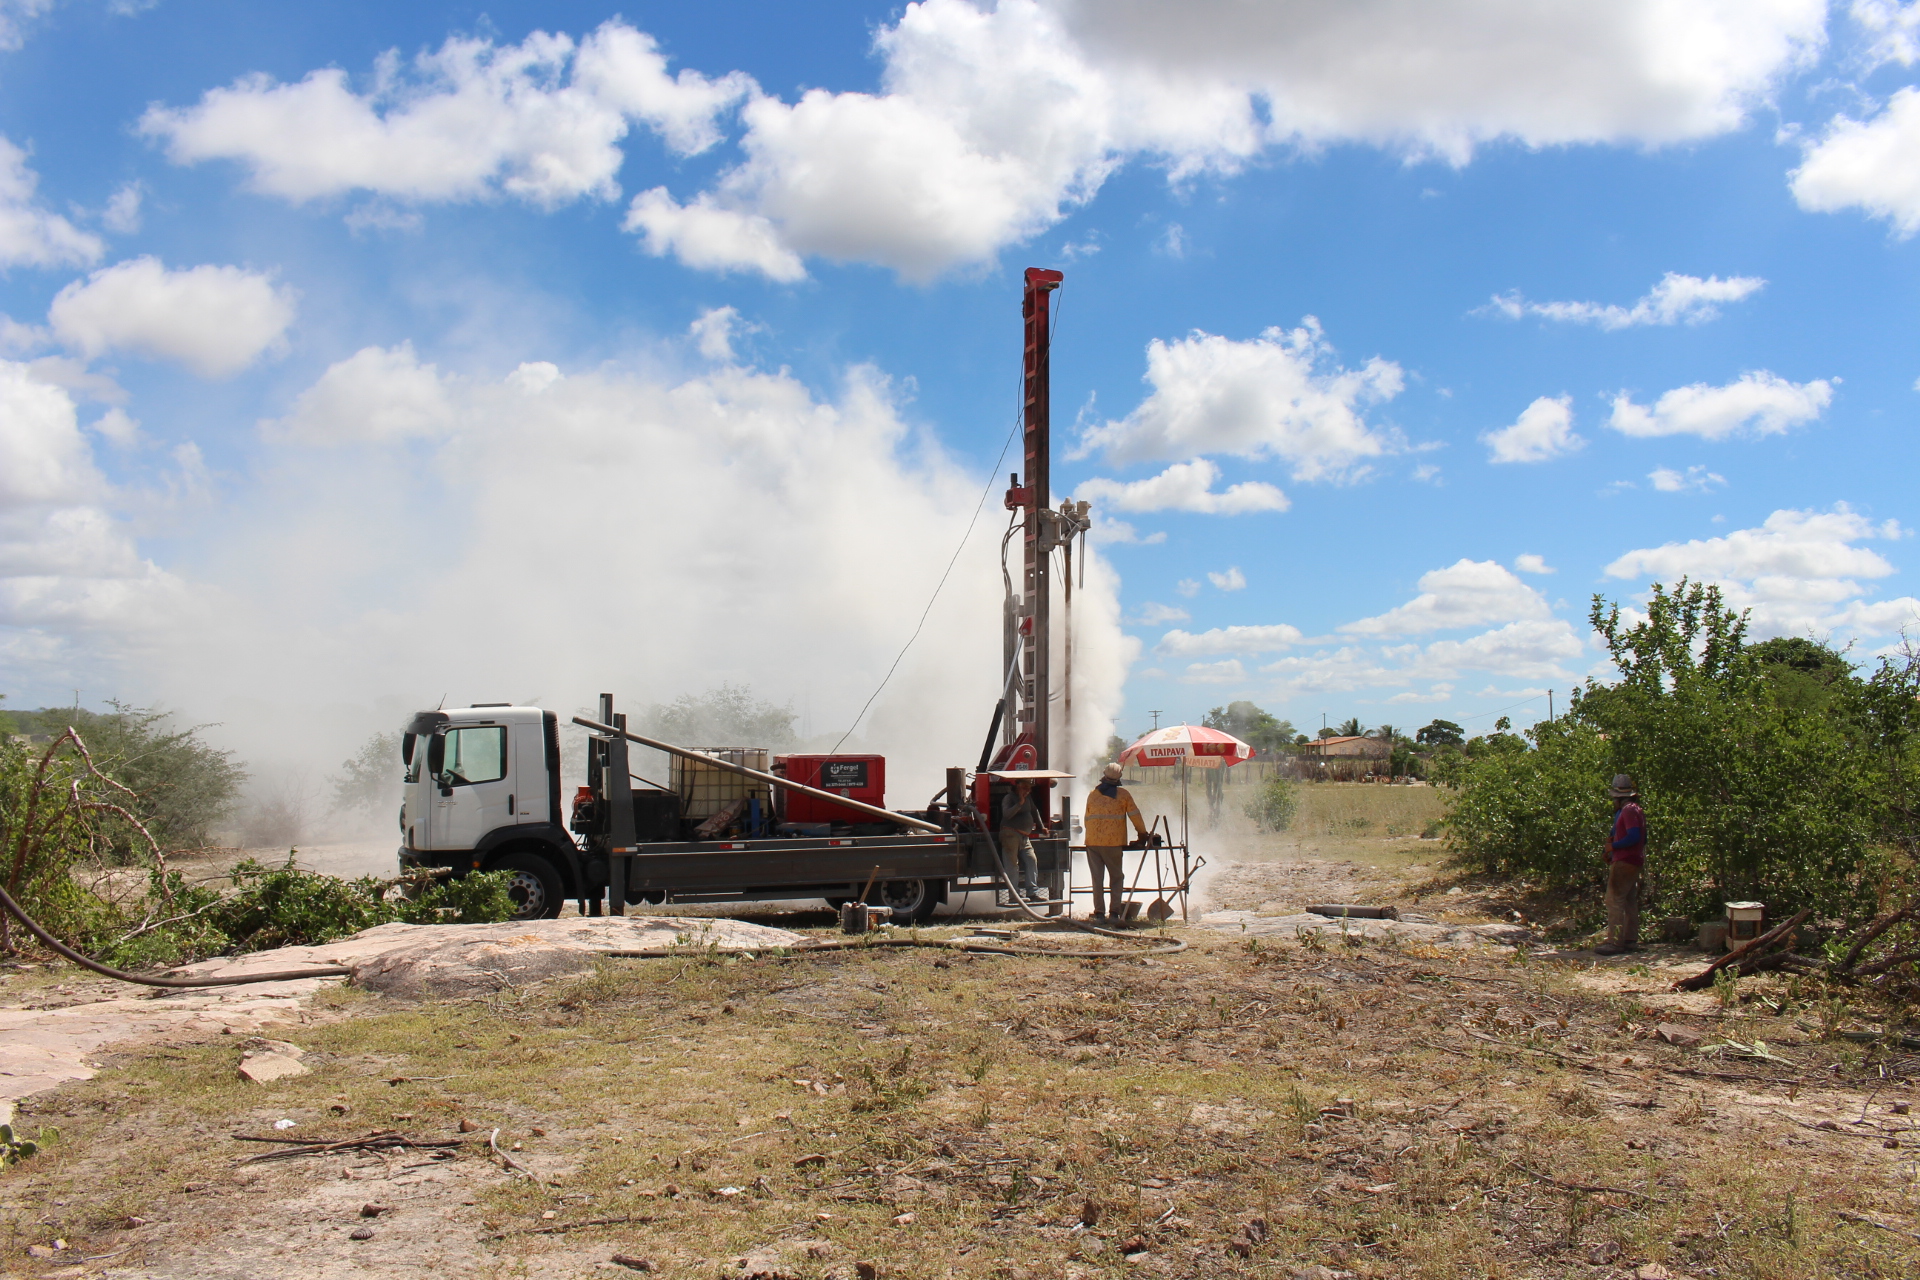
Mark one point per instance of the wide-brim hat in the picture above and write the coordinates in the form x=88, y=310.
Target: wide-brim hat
x=1623, y=788
x=1112, y=771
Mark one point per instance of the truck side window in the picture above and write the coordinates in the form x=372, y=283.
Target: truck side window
x=475, y=755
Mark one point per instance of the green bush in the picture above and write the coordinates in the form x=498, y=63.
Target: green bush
x=1751, y=790
x=286, y=907
x=1273, y=805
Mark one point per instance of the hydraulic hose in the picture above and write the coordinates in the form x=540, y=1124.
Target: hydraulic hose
x=1162, y=945
x=15, y=910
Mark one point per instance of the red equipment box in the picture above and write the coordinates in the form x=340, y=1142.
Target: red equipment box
x=862, y=778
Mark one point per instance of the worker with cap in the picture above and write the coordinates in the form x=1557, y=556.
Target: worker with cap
x=1108, y=809
x=1020, y=821
x=1626, y=860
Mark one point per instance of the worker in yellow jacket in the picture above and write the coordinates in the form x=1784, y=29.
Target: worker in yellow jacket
x=1108, y=809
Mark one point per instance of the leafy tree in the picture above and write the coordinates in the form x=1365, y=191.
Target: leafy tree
x=1748, y=793
x=1257, y=728
x=1441, y=733
x=369, y=780
x=729, y=716
x=184, y=787
x=1350, y=729
x=1805, y=673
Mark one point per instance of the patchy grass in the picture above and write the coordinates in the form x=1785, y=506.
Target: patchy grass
x=1241, y=1109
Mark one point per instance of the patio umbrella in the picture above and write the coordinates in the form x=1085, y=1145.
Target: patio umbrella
x=1189, y=744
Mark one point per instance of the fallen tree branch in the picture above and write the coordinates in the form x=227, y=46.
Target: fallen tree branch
x=1704, y=978
x=493, y=1141
x=1583, y=1186
x=1864, y=1220
x=384, y=1140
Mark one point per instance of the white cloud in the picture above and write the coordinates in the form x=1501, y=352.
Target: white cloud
x=1692, y=480
x=712, y=332
x=118, y=426
x=1544, y=430
x=1872, y=165
x=1279, y=395
x=1231, y=580
x=214, y=320
x=1187, y=587
x=707, y=236
x=991, y=124
x=1467, y=593
x=1229, y=671
x=374, y=394
x=1531, y=563
x=65, y=560
x=1443, y=76
x=14, y=15
x=1109, y=533
x=1154, y=615
x=122, y=214
x=1533, y=649
x=1676, y=299
x=1184, y=486
x=30, y=235
x=540, y=120
x=1800, y=571
x=1758, y=404
x=1895, y=27
x=1236, y=639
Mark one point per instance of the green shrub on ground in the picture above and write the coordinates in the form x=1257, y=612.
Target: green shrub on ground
x=1274, y=804
x=287, y=907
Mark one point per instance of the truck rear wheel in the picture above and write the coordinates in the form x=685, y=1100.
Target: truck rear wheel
x=913, y=901
x=535, y=886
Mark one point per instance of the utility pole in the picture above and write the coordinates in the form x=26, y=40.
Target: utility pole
x=1549, y=706
x=1156, y=718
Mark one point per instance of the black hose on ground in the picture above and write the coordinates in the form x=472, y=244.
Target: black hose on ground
x=15, y=910
x=1161, y=945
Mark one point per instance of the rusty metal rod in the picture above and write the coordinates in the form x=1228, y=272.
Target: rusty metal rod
x=778, y=781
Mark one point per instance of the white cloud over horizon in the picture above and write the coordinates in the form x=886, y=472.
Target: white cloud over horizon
x=1799, y=571
x=1467, y=593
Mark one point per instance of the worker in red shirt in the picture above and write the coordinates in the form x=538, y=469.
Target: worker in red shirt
x=1626, y=859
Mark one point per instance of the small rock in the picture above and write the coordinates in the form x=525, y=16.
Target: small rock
x=1090, y=1214
x=670, y=1190
x=1652, y=1271
x=372, y=1210
x=819, y=1249
x=283, y=1124
x=1900, y=1108
x=1603, y=1252
x=262, y=1067
x=468, y=1126
x=1133, y=1244
x=549, y=1215
x=904, y=1220
x=1678, y=1036
x=360, y=1233
x=339, y=1106
x=133, y=1224
x=42, y=1251
x=865, y=1270
x=538, y=1133
x=726, y=1193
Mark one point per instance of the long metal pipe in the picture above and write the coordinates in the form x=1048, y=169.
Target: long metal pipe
x=689, y=753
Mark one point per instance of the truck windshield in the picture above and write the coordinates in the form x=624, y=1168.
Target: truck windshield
x=475, y=755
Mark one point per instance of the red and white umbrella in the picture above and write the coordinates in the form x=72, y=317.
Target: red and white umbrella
x=1190, y=744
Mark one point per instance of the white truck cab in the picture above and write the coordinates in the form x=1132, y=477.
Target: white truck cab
x=482, y=792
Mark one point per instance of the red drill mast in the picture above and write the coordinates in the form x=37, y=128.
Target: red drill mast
x=1025, y=652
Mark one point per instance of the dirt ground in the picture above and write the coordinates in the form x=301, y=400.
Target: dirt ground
x=1253, y=1105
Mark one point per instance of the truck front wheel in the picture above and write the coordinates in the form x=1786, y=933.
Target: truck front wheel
x=535, y=886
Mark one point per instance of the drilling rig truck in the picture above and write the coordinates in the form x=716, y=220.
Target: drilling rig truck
x=483, y=789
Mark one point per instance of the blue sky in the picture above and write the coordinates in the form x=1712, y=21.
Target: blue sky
x=355, y=354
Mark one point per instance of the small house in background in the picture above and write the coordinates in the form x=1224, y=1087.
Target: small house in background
x=1352, y=748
